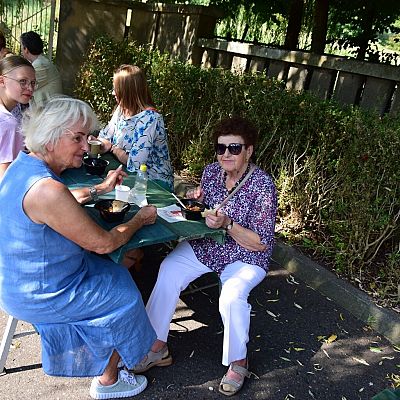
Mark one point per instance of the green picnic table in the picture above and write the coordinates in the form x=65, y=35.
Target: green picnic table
x=160, y=232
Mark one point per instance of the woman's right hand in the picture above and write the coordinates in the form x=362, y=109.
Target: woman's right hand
x=105, y=146
x=147, y=215
x=196, y=193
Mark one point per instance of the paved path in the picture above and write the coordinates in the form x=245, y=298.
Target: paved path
x=289, y=351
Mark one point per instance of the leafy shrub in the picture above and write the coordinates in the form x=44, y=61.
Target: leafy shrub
x=336, y=169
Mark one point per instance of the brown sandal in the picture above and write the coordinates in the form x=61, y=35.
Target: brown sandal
x=229, y=387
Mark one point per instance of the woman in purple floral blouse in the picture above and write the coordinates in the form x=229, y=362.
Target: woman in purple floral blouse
x=241, y=262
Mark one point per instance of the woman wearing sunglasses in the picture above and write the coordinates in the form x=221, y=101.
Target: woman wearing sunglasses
x=17, y=83
x=245, y=199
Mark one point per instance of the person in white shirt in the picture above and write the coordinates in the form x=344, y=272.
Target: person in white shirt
x=47, y=75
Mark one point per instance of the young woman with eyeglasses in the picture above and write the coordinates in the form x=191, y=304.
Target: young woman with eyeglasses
x=136, y=133
x=17, y=84
x=248, y=217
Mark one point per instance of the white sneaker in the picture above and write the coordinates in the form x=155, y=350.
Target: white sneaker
x=128, y=385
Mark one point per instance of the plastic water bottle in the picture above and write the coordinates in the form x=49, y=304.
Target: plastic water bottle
x=140, y=187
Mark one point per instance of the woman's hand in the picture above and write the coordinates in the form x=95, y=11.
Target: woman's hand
x=196, y=193
x=217, y=221
x=105, y=146
x=147, y=214
x=114, y=177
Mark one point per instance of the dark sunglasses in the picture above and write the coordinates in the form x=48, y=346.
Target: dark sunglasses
x=234, y=148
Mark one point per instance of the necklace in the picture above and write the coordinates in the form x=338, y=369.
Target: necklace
x=225, y=175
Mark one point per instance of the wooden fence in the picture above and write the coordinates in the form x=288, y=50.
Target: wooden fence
x=374, y=87
x=186, y=32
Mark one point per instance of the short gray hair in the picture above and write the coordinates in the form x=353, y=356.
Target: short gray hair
x=45, y=125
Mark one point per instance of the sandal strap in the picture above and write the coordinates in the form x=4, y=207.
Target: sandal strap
x=234, y=384
x=244, y=372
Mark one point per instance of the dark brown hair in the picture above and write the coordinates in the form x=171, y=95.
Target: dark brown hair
x=131, y=89
x=3, y=42
x=237, y=126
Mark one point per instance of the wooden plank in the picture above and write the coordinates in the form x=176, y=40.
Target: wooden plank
x=376, y=94
x=395, y=106
x=347, y=88
x=208, y=59
x=224, y=60
x=296, y=79
x=257, y=64
x=277, y=69
x=239, y=64
x=321, y=82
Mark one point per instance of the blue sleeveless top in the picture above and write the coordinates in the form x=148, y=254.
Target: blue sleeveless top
x=84, y=306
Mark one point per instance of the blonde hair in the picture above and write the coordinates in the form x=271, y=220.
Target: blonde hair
x=12, y=62
x=45, y=125
x=131, y=89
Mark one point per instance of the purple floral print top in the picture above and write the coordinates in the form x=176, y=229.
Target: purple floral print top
x=253, y=207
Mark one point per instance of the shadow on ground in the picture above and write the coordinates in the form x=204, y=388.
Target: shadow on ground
x=303, y=346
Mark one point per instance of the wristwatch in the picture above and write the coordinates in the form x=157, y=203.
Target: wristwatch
x=229, y=226
x=93, y=193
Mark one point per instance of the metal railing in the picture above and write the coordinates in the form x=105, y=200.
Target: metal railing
x=40, y=16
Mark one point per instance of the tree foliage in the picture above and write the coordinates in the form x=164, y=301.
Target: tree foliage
x=352, y=26
x=357, y=24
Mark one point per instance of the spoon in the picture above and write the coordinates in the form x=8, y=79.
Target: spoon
x=179, y=201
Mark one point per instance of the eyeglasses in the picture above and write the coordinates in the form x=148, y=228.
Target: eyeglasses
x=233, y=148
x=24, y=83
x=78, y=137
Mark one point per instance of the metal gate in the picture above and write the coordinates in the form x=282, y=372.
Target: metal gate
x=41, y=16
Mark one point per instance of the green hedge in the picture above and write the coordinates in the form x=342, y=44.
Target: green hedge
x=336, y=169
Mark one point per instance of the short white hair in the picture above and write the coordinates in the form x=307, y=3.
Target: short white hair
x=45, y=125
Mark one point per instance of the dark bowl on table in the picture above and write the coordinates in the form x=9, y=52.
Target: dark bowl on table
x=193, y=209
x=107, y=207
x=95, y=166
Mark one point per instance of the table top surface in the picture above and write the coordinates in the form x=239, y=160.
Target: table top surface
x=160, y=232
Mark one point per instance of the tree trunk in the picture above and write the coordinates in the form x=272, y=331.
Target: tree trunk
x=366, y=35
x=294, y=24
x=320, y=26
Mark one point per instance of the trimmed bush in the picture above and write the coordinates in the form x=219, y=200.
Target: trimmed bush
x=336, y=169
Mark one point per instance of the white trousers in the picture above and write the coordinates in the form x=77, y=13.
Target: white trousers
x=180, y=268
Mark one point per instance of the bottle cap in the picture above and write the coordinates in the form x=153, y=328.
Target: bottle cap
x=143, y=167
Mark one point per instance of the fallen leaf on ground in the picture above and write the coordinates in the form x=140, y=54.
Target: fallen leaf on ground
x=331, y=338
x=262, y=305
x=375, y=349
x=360, y=360
x=326, y=353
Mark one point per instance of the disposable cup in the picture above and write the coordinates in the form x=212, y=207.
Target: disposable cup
x=122, y=192
x=95, y=146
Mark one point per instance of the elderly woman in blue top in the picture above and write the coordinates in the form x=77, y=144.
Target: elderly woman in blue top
x=86, y=308
x=241, y=262
x=136, y=133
